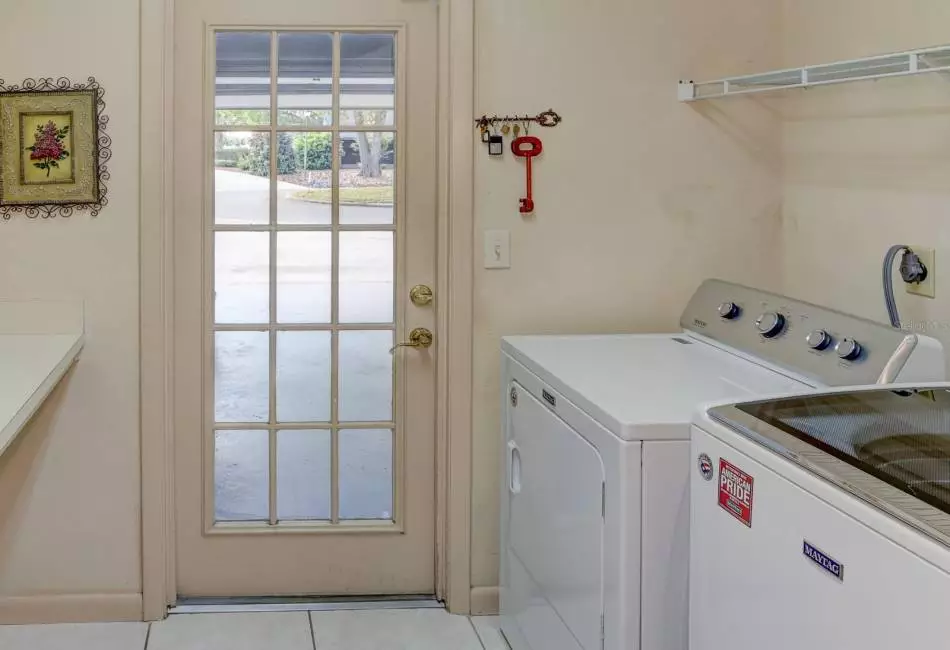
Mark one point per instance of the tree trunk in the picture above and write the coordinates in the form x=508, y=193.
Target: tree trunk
x=371, y=152
x=371, y=144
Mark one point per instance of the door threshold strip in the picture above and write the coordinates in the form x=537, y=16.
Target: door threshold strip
x=308, y=604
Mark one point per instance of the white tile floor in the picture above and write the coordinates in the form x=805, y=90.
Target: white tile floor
x=416, y=629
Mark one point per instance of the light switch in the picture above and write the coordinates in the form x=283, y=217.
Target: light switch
x=497, y=249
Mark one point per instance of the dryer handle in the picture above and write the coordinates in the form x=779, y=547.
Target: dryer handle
x=514, y=467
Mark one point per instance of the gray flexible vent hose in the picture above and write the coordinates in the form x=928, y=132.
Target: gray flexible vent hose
x=888, y=280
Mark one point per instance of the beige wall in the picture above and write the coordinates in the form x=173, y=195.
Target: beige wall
x=69, y=489
x=639, y=197
x=867, y=165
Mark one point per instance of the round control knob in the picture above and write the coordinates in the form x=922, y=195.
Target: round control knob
x=818, y=340
x=848, y=349
x=770, y=324
x=729, y=310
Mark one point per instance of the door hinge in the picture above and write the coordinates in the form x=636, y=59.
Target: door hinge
x=603, y=632
x=603, y=499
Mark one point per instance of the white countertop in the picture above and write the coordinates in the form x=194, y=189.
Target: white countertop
x=39, y=342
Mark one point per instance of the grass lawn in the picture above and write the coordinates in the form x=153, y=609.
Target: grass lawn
x=368, y=195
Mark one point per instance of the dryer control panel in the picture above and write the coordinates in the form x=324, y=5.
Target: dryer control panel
x=833, y=347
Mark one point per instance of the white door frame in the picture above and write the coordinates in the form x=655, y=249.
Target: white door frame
x=454, y=316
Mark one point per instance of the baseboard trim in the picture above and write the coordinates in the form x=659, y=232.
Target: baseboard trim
x=75, y=608
x=484, y=601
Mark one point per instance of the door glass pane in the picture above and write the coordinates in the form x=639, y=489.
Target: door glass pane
x=304, y=79
x=304, y=193
x=366, y=376
x=241, y=178
x=275, y=150
x=242, y=78
x=304, y=277
x=366, y=474
x=367, y=175
x=241, y=277
x=303, y=376
x=366, y=277
x=241, y=469
x=241, y=391
x=367, y=79
x=303, y=475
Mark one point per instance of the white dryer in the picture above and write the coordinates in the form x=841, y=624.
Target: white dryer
x=595, y=510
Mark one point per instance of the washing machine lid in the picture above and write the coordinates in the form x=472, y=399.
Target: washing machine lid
x=890, y=447
x=644, y=386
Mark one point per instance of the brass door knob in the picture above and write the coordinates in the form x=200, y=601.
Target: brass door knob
x=419, y=338
x=420, y=295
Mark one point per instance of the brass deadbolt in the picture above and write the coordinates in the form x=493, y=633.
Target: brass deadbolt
x=421, y=295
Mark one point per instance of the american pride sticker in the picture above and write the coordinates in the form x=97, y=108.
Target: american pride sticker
x=735, y=492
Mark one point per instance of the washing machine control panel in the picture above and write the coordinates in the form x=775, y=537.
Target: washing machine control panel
x=834, y=348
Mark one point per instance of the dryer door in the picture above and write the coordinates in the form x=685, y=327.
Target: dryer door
x=554, y=547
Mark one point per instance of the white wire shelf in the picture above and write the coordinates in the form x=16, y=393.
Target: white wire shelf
x=915, y=62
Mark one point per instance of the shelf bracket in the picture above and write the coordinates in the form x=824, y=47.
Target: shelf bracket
x=686, y=91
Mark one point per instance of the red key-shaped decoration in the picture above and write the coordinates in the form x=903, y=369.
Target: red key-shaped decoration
x=527, y=147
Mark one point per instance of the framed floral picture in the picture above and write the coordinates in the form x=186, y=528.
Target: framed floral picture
x=53, y=148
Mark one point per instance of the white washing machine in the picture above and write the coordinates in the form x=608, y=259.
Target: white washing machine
x=823, y=522
x=595, y=511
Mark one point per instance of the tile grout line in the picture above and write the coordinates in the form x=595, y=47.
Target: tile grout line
x=477, y=635
x=313, y=637
x=148, y=635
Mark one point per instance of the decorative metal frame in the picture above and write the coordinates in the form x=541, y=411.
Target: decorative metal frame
x=103, y=145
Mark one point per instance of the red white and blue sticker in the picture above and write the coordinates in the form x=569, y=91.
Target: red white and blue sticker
x=735, y=491
x=705, y=467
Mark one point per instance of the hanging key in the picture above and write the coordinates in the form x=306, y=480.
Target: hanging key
x=527, y=147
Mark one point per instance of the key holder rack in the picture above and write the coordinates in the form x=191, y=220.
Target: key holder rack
x=548, y=118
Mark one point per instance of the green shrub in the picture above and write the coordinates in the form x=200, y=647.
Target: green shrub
x=257, y=160
x=314, y=151
x=286, y=158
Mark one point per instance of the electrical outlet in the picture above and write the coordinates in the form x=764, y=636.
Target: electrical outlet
x=927, y=288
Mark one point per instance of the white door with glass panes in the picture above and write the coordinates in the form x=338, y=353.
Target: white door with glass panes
x=305, y=207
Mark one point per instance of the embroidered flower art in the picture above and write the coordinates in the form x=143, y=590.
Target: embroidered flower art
x=49, y=146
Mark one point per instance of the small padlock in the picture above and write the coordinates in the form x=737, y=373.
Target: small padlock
x=496, y=145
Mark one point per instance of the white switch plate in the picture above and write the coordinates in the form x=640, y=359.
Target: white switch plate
x=497, y=249
x=927, y=288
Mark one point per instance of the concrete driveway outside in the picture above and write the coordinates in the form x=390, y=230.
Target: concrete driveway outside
x=303, y=358
x=242, y=198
